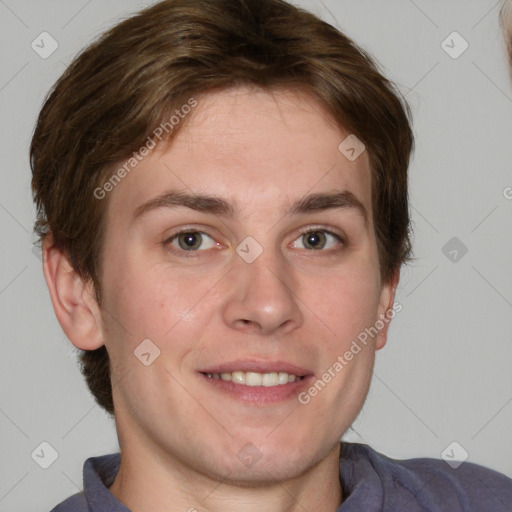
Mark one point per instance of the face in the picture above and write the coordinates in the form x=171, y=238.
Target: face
x=245, y=253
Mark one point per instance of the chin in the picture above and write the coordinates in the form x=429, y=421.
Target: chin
x=249, y=466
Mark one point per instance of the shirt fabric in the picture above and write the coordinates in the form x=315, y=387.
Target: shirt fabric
x=371, y=482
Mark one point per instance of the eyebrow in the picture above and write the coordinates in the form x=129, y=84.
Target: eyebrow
x=215, y=205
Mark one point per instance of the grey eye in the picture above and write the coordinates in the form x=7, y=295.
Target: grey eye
x=192, y=241
x=317, y=240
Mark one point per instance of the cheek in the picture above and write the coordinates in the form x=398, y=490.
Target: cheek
x=346, y=302
x=349, y=308
x=150, y=301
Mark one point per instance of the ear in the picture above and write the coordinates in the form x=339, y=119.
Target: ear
x=73, y=300
x=386, y=309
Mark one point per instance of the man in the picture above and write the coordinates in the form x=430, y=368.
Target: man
x=222, y=198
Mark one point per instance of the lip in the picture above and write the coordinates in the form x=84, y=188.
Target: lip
x=244, y=365
x=258, y=395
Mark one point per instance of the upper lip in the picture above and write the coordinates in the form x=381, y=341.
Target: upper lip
x=244, y=365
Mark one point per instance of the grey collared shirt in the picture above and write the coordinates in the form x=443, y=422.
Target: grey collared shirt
x=371, y=482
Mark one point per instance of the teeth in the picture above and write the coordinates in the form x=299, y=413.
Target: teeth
x=238, y=377
x=283, y=378
x=269, y=379
x=255, y=379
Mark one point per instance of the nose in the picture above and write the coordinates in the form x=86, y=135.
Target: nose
x=261, y=297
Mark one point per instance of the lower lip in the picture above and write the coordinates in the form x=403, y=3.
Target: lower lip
x=259, y=394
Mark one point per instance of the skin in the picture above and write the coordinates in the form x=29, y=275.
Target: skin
x=180, y=436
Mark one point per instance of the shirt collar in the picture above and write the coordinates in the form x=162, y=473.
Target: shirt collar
x=359, y=479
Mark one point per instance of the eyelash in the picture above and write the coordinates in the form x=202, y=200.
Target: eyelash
x=194, y=254
x=307, y=231
x=181, y=252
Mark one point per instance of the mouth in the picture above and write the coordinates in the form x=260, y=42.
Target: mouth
x=256, y=379
x=260, y=382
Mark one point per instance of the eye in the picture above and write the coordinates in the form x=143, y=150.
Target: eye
x=317, y=239
x=191, y=240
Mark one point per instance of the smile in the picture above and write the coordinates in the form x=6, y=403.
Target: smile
x=255, y=378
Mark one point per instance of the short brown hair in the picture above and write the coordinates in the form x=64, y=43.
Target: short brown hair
x=119, y=89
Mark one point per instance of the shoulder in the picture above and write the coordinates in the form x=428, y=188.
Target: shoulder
x=98, y=473
x=432, y=484
x=75, y=503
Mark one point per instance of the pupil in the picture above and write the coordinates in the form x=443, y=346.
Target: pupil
x=191, y=240
x=315, y=239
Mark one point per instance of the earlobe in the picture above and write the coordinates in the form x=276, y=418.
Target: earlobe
x=72, y=299
x=386, y=303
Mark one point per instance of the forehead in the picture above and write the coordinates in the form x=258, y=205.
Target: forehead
x=259, y=149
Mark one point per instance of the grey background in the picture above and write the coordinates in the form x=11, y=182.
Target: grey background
x=445, y=374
